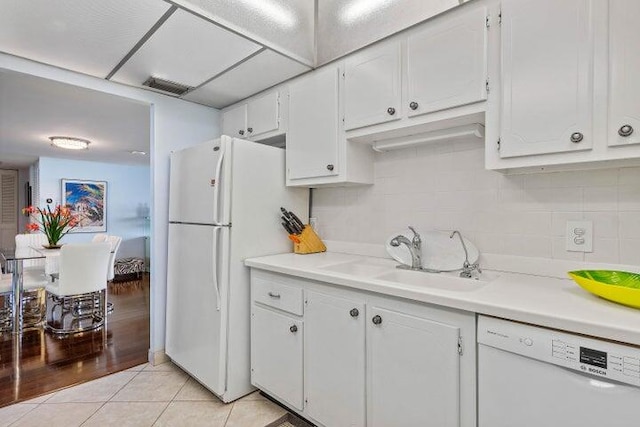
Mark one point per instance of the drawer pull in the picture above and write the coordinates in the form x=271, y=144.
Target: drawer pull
x=376, y=320
x=272, y=295
x=293, y=329
x=354, y=312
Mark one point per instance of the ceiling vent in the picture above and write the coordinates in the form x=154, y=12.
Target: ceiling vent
x=166, y=86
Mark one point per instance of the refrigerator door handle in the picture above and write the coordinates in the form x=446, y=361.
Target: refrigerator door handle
x=214, y=266
x=216, y=188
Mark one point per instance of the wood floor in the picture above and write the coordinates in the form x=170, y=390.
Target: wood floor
x=38, y=363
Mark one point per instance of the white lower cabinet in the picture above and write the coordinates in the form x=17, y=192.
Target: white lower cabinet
x=413, y=371
x=334, y=360
x=368, y=360
x=276, y=354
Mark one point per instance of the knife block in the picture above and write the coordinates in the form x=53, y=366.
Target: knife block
x=308, y=242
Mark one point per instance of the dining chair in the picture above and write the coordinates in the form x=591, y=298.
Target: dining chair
x=114, y=241
x=101, y=237
x=76, y=301
x=34, y=279
x=6, y=303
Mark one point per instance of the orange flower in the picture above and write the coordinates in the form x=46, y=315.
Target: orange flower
x=28, y=210
x=32, y=226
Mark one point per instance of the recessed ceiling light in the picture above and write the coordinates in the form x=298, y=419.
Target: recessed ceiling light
x=70, y=143
x=139, y=153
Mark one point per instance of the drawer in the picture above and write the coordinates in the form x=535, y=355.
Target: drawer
x=277, y=295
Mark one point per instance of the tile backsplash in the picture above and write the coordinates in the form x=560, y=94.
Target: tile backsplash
x=445, y=186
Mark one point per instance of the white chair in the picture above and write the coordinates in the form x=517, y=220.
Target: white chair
x=114, y=241
x=6, y=303
x=34, y=279
x=36, y=240
x=98, y=238
x=79, y=293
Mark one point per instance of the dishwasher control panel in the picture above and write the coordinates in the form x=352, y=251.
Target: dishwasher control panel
x=588, y=355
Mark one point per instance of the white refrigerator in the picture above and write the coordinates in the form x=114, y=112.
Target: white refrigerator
x=224, y=206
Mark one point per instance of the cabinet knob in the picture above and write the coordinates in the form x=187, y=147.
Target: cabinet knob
x=273, y=295
x=330, y=167
x=376, y=320
x=391, y=111
x=249, y=130
x=354, y=312
x=413, y=105
x=577, y=137
x=293, y=329
x=241, y=132
x=625, y=130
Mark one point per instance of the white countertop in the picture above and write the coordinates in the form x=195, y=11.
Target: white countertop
x=545, y=301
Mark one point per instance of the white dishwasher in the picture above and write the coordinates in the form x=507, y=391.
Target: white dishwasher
x=530, y=376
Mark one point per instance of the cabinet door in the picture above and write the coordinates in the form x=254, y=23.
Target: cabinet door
x=234, y=121
x=372, y=86
x=263, y=114
x=276, y=355
x=447, y=64
x=334, y=360
x=624, y=69
x=413, y=371
x=312, y=140
x=547, y=77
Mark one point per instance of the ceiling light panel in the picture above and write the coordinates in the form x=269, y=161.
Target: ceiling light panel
x=264, y=70
x=348, y=25
x=283, y=25
x=88, y=36
x=186, y=49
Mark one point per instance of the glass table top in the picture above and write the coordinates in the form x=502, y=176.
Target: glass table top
x=12, y=254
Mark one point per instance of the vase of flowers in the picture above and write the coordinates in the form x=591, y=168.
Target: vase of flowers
x=53, y=223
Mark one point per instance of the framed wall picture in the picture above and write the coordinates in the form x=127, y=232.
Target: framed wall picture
x=87, y=200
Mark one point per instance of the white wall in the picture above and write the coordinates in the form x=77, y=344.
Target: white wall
x=128, y=194
x=175, y=124
x=445, y=186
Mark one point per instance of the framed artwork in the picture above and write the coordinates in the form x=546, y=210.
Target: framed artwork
x=87, y=200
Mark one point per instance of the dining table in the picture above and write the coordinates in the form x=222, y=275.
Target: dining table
x=13, y=260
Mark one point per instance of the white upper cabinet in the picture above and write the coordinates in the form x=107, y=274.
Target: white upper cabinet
x=624, y=71
x=312, y=140
x=234, y=121
x=447, y=64
x=263, y=114
x=547, y=77
x=372, y=86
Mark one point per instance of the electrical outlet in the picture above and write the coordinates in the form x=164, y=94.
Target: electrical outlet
x=313, y=222
x=580, y=236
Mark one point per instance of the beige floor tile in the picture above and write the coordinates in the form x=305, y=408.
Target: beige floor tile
x=163, y=367
x=152, y=387
x=137, y=368
x=257, y=413
x=39, y=399
x=99, y=390
x=253, y=396
x=11, y=413
x=210, y=414
x=58, y=415
x=126, y=414
x=193, y=390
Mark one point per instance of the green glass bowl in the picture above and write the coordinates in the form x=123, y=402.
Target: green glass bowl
x=619, y=286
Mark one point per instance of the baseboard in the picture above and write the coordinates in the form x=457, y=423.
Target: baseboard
x=158, y=357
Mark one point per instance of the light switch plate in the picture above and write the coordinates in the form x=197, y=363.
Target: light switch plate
x=580, y=236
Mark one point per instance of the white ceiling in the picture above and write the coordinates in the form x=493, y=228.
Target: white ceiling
x=129, y=41
x=33, y=108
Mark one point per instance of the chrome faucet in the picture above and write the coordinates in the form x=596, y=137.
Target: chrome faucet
x=414, y=245
x=467, y=267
